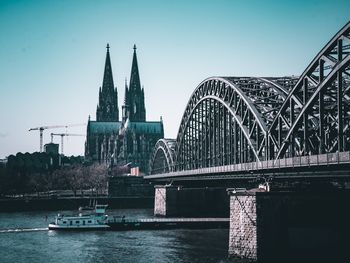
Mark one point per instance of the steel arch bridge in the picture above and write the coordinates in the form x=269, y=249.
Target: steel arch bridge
x=236, y=120
x=163, y=155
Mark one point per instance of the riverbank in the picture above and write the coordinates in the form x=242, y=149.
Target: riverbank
x=72, y=203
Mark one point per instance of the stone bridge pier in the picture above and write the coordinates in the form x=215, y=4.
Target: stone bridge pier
x=289, y=226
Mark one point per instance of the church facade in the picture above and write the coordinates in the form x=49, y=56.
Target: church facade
x=126, y=141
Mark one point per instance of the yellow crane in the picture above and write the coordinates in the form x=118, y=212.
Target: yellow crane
x=42, y=128
x=63, y=135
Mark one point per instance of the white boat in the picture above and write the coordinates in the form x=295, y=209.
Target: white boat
x=89, y=221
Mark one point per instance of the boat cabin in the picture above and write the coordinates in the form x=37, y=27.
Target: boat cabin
x=100, y=209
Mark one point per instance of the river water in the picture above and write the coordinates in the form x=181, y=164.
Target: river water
x=24, y=238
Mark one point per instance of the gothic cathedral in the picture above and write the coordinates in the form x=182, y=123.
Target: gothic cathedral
x=130, y=140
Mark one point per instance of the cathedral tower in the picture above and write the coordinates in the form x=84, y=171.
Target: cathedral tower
x=134, y=102
x=107, y=108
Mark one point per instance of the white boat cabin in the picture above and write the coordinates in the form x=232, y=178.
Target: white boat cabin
x=98, y=219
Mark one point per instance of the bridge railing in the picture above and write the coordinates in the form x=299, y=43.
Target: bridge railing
x=311, y=160
x=301, y=161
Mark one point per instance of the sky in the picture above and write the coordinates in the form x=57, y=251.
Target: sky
x=52, y=55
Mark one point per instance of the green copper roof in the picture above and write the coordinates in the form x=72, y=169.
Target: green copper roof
x=150, y=127
x=100, y=127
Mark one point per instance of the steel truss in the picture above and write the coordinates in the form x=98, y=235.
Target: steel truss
x=162, y=159
x=226, y=122
x=320, y=123
x=232, y=120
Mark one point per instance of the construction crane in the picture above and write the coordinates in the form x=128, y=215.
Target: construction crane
x=63, y=135
x=42, y=128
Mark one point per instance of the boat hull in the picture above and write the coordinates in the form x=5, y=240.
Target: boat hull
x=78, y=228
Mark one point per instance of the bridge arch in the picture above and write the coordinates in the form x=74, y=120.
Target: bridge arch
x=320, y=123
x=232, y=120
x=162, y=158
x=226, y=121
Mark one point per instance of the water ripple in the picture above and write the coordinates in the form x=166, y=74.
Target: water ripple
x=20, y=230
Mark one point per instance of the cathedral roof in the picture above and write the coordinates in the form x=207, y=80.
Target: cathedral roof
x=149, y=127
x=100, y=127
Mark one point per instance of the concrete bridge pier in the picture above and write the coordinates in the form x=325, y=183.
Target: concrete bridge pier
x=289, y=226
x=180, y=201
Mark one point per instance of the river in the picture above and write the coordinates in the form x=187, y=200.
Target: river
x=24, y=238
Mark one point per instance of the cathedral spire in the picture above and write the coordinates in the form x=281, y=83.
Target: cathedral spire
x=126, y=102
x=125, y=107
x=107, y=108
x=107, y=76
x=135, y=104
x=134, y=77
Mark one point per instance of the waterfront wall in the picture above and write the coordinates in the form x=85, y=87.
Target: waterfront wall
x=55, y=204
x=135, y=186
x=191, y=202
x=289, y=226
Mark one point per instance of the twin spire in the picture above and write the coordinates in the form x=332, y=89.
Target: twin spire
x=134, y=78
x=134, y=101
x=108, y=75
x=134, y=107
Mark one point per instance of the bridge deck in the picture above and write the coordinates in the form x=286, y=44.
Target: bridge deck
x=328, y=159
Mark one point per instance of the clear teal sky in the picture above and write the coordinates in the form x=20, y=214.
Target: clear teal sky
x=52, y=54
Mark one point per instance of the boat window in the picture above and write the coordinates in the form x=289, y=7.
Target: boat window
x=64, y=222
x=77, y=222
x=70, y=222
x=84, y=222
x=89, y=221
